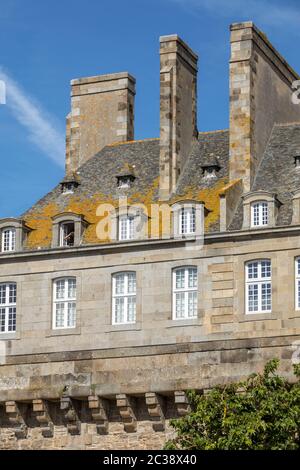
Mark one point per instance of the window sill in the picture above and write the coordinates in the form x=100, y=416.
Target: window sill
x=63, y=332
x=10, y=336
x=125, y=327
x=295, y=314
x=184, y=322
x=246, y=317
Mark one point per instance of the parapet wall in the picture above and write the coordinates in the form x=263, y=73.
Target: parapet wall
x=109, y=400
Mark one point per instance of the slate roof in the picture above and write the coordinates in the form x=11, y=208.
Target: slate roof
x=210, y=146
x=98, y=180
x=277, y=173
x=99, y=173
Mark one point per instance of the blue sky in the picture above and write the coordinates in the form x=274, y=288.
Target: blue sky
x=47, y=43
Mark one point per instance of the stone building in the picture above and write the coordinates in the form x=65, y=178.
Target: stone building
x=101, y=336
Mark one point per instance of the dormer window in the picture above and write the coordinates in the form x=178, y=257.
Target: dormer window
x=259, y=214
x=69, y=184
x=210, y=167
x=125, y=182
x=188, y=218
x=297, y=161
x=67, y=234
x=9, y=239
x=260, y=209
x=13, y=233
x=126, y=177
x=68, y=229
x=68, y=188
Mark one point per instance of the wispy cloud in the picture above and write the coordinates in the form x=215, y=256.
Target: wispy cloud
x=268, y=12
x=42, y=129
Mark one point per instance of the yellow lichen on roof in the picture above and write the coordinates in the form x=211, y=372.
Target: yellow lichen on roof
x=41, y=221
x=230, y=186
x=40, y=224
x=210, y=197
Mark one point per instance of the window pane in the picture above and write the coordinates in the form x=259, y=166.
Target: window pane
x=252, y=270
x=59, y=315
x=179, y=304
x=119, y=284
x=266, y=296
x=192, y=304
x=192, y=273
x=60, y=289
x=2, y=293
x=256, y=214
x=192, y=227
x=180, y=278
x=12, y=319
x=188, y=220
x=12, y=293
x=131, y=283
x=2, y=319
x=131, y=306
x=126, y=228
x=259, y=213
x=253, y=297
x=298, y=267
x=264, y=209
x=266, y=268
x=71, y=288
x=71, y=314
x=183, y=221
x=9, y=240
x=119, y=310
x=67, y=234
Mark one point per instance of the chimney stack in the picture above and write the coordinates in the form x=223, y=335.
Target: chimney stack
x=178, y=109
x=102, y=113
x=260, y=96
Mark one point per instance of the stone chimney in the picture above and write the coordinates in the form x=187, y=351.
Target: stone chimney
x=178, y=109
x=102, y=113
x=260, y=96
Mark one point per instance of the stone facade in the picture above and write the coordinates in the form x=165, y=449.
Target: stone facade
x=100, y=385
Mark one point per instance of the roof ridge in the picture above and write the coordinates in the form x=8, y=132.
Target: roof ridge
x=128, y=142
x=286, y=124
x=212, y=132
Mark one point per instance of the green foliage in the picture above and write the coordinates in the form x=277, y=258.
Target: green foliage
x=261, y=413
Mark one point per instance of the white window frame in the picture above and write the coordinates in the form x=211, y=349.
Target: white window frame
x=128, y=297
x=297, y=283
x=62, y=240
x=259, y=283
x=187, y=221
x=65, y=301
x=9, y=307
x=8, y=244
x=259, y=214
x=185, y=291
x=126, y=232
